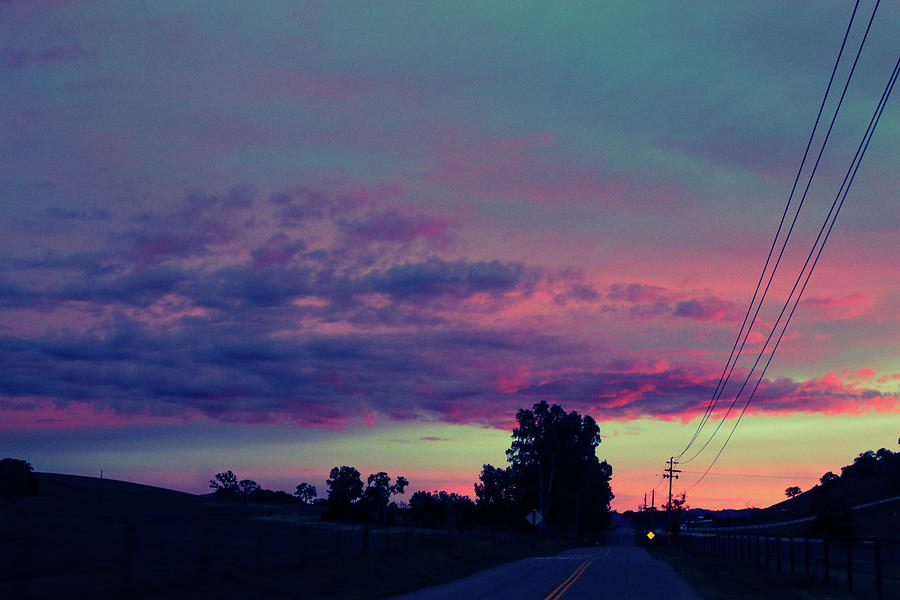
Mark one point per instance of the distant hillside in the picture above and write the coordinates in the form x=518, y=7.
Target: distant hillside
x=79, y=485
x=836, y=506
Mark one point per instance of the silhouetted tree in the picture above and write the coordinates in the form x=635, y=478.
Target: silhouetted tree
x=17, y=478
x=554, y=466
x=864, y=466
x=678, y=506
x=225, y=484
x=793, y=491
x=379, y=491
x=495, y=495
x=306, y=493
x=828, y=478
x=344, y=488
x=247, y=487
x=441, y=509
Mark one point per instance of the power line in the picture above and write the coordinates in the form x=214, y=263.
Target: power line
x=723, y=379
x=784, y=246
x=845, y=188
x=754, y=475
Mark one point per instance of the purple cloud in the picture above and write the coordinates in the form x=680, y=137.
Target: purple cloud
x=393, y=226
x=707, y=309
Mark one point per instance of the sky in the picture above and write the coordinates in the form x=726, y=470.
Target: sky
x=280, y=237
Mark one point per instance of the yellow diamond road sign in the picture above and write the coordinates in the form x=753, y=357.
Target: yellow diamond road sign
x=650, y=535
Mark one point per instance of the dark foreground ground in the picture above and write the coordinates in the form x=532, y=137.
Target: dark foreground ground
x=618, y=569
x=81, y=538
x=724, y=579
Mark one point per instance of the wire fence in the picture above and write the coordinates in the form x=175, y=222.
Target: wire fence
x=866, y=567
x=103, y=559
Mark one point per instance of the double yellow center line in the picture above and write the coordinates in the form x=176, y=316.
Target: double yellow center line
x=570, y=580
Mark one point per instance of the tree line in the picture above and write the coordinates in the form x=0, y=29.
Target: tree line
x=227, y=486
x=553, y=469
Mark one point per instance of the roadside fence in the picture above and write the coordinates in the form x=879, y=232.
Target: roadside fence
x=104, y=556
x=866, y=567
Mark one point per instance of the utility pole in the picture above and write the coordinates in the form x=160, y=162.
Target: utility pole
x=670, y=475
x=653, y=499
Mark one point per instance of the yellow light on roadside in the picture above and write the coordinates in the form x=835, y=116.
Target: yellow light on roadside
x=650, y=535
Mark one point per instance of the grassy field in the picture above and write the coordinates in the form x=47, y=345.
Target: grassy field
x=427, y=560
x=81, y=538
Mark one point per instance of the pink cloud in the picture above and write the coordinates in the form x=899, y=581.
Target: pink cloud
x=847, y=307
x=627, y=392
x=706, y=309
x=36, y=413
x=638, y=293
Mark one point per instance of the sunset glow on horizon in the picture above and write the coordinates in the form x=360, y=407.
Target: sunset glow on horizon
x=281, y=237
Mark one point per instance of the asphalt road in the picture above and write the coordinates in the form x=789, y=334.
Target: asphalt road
x=618, y=570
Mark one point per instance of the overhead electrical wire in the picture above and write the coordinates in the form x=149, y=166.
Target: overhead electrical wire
x=754, y=475
x=729, y=366
x=835, y=209
x=787, y=238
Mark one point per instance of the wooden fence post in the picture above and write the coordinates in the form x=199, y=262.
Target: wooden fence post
x=767, y=552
